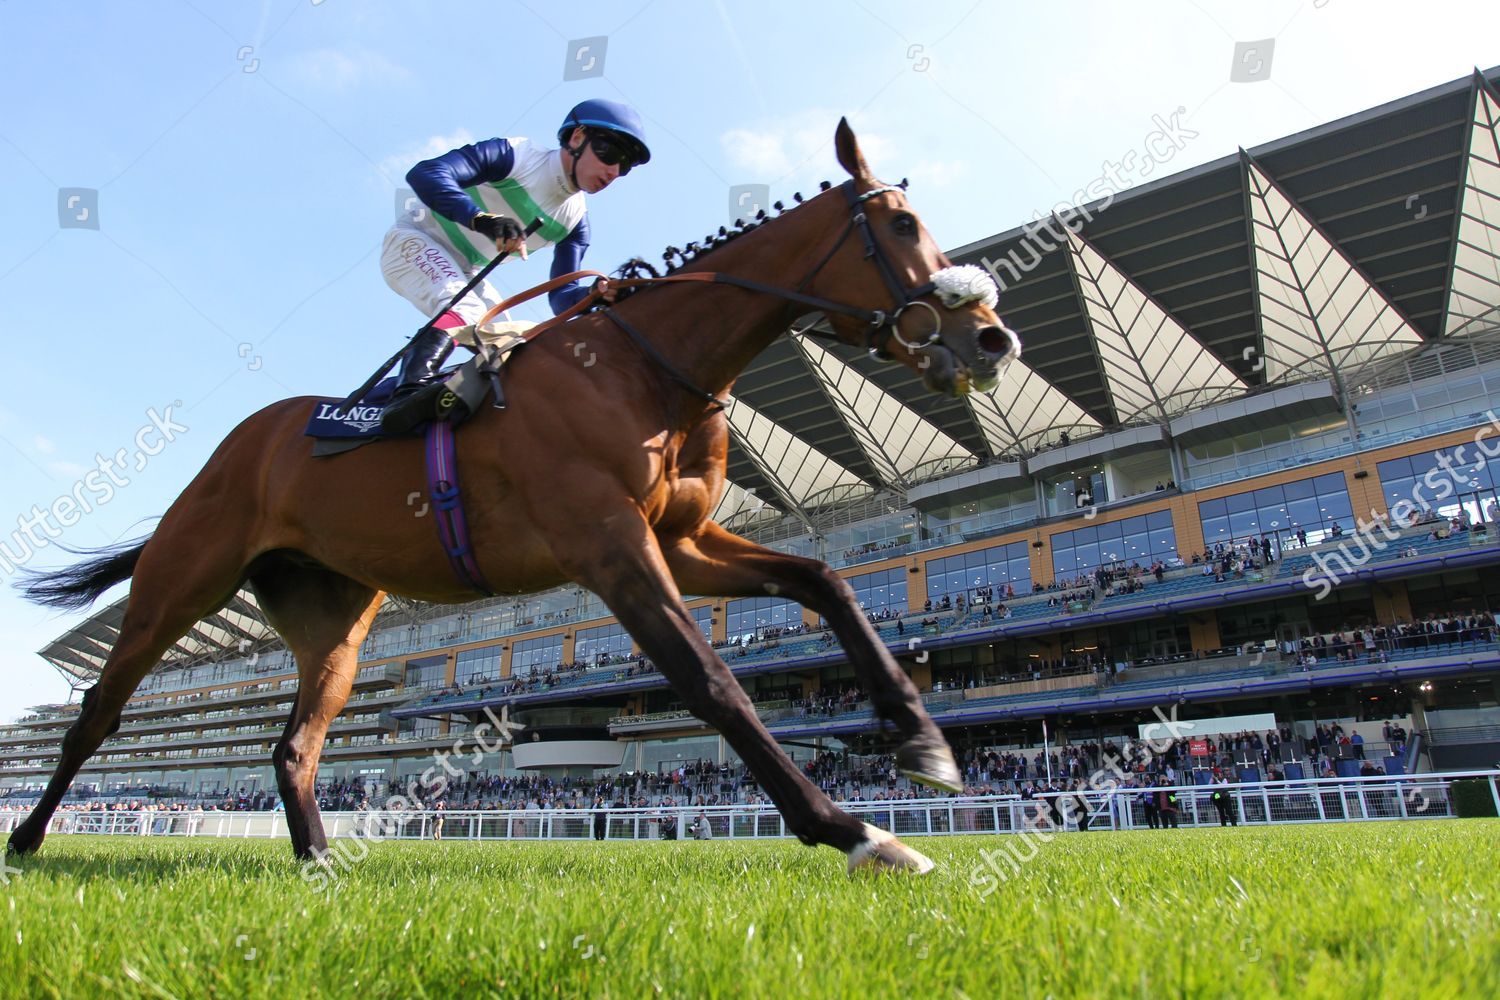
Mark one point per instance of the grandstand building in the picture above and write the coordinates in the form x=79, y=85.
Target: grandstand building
x=1246, y=449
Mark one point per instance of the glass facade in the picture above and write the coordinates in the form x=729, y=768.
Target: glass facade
x=427, y=671
x=884, y=590
x=604, y=640
x=478, y=665
x=1142, y=539
x=532, y=655
x=993, y=567
x=998, y=510
x=704, y=616
x=751, y=614
x=1076, y=490
x=1467, y=484
x=1311, y=505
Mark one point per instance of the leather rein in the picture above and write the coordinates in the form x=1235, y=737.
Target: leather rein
x=878, y=322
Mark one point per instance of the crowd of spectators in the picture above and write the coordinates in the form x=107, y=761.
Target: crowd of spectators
x=870, y=548
x=821, y=703
x=843, y=776
x=1376, y=643
x=1237, y=559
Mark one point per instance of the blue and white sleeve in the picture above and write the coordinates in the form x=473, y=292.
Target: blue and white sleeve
x=440, y=181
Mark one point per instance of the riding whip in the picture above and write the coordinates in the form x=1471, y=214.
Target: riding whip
x=474, y=282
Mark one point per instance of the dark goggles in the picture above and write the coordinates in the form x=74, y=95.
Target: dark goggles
x=610, y=150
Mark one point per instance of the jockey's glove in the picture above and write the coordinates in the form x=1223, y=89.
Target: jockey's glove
x=498, y=228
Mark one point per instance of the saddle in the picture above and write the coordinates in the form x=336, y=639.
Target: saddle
x=337, y=426
x=340, y=425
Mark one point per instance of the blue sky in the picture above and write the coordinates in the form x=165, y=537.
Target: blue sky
x=247, y=158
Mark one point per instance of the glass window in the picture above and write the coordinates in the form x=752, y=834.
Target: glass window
x=594, y=645
x=1312, y=505
x=478, y=666
x=881, y=591
x=1143, y=539
x=427, y=671
x=749, y=615
x=995, y=567
x=703, y=614
x=532, y=655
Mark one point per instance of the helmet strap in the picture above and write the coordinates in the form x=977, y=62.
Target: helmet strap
x=575, y=153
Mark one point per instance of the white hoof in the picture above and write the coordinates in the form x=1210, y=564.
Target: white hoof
x=882, y=852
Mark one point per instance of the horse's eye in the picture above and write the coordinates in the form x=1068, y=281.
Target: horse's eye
x=904, y=225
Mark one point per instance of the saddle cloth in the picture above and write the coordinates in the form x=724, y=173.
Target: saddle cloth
x=337, y=429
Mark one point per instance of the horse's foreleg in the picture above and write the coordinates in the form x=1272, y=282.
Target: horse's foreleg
x=716, y=562
x=323, y=617
x=623, y=565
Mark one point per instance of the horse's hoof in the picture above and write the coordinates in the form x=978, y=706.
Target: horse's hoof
x=929, y=761
x=18, y=849
x=882, y=852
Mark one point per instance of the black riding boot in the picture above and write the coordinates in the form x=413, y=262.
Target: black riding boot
x=420, y=366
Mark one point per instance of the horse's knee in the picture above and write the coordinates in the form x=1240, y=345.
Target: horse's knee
x=717, y=701
x=293, y=765
x=91, y=712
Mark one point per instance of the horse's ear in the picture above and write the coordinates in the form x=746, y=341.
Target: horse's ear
x=850, y=158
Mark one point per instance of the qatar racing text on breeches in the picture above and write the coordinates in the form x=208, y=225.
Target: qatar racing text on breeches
x=425, y=273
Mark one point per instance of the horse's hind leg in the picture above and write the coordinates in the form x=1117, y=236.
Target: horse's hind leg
x=617, y=558
x=714, y=561
x=323, y=617
x=174, y=585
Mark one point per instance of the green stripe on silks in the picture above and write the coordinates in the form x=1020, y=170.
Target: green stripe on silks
x=524, y=207
x=460, y=242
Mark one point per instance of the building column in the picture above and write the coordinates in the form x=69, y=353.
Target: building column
x=1392, y=602
x=916, y=582
x=1037, y=560
x=1187, y=526
x=1366, y=496
x=1204, y=634
x=921, y=675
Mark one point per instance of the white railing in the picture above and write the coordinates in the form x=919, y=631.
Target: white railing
x=1323, y=800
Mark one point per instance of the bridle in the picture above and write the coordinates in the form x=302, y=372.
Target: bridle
x=878, y=321
x=881, y=325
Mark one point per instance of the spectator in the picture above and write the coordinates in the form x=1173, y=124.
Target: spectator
x=1223, y=800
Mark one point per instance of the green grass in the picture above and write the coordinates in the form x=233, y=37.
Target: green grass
x=1388, y=909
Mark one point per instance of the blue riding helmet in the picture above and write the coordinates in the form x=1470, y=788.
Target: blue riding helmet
x=614, y=116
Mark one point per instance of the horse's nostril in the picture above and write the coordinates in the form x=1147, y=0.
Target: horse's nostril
x=998, y=343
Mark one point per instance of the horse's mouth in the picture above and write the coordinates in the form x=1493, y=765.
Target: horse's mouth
x=966, y=380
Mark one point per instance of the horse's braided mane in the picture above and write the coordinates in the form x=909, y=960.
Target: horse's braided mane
x=676, y=259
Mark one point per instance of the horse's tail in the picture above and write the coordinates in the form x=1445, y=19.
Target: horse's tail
x=80, y=585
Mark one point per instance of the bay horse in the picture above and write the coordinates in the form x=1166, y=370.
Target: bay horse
x=602, y=474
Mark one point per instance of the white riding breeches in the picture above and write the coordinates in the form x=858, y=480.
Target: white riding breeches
x=425, y=273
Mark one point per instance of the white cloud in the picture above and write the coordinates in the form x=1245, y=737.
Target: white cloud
x=397, y=164
x=799, y=148
x=938, y=173
x=343, y=69
x=68, y=470
x=44, y=444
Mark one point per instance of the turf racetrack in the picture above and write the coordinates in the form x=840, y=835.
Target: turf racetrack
x=1356, y=910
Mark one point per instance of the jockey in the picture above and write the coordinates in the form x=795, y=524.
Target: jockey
x=493, y=197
